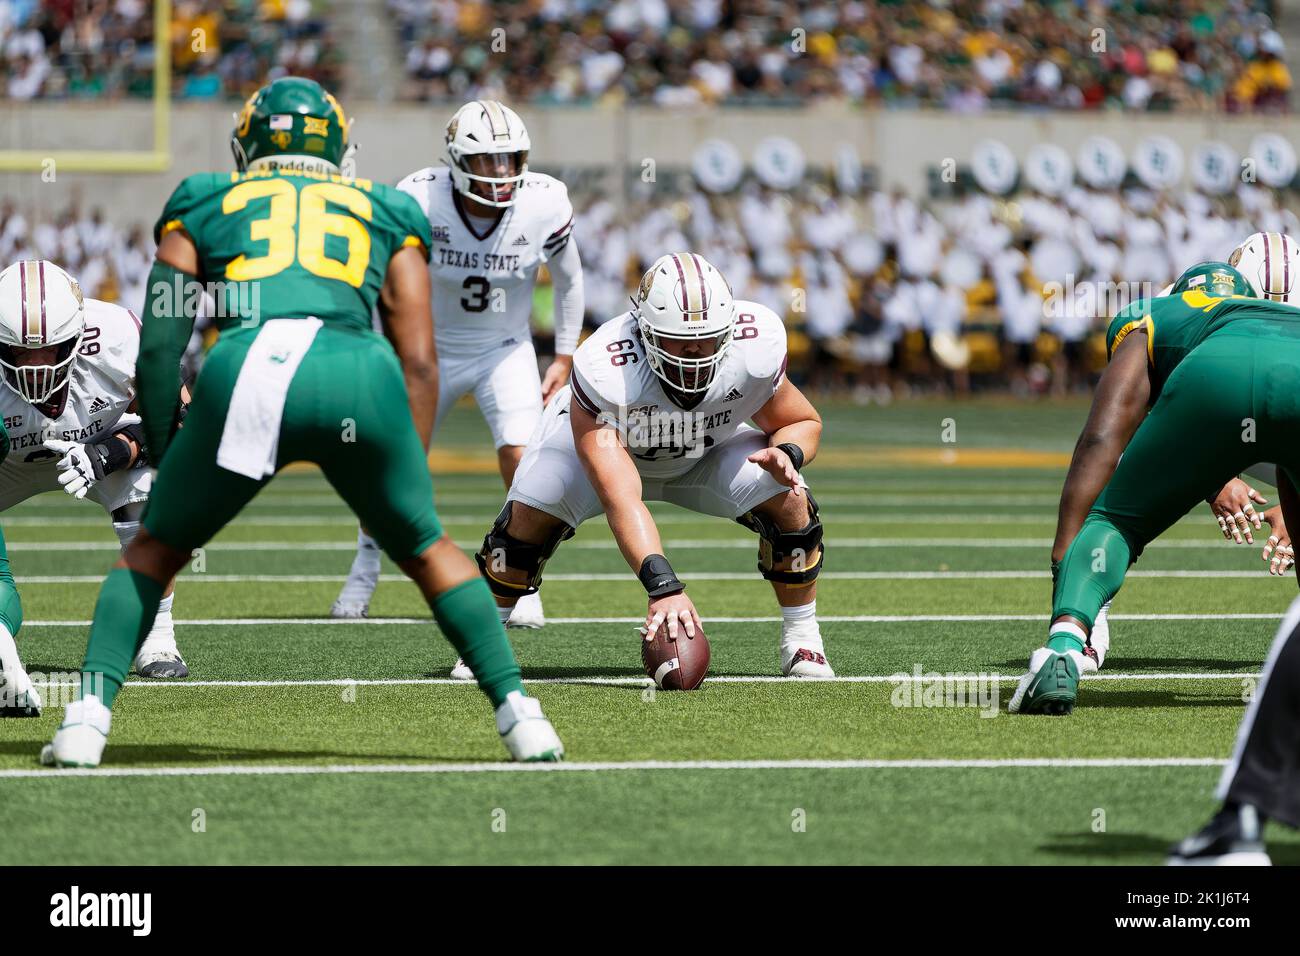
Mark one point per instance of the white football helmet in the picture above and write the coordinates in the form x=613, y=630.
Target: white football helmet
x=493, y=130
x=41, y=308
x=1270, y=261
x=686, y=315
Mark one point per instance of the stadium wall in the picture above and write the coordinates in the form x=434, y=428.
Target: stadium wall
x=900, y=146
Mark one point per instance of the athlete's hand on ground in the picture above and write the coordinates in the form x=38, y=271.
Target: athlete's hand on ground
x=1233, y=509
x=556, y=377
x=778, y=464
x=1278, y=552
x=79, y=468
x=675, y=613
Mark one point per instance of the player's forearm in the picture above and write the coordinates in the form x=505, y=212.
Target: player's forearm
x=806, y=434
x=566, y=277
x=1094, y=461
x=165, y=330
x=421, y=377
x=635, y=531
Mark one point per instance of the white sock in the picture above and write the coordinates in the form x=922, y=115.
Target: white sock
x=799, y=613
x=9, y=660
x=162, y=636
x=364, y=574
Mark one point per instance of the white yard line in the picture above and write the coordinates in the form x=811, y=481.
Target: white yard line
x=899, y=678
x=235, y=770
x=704, y=544
x=624, y=576
x=823, y=618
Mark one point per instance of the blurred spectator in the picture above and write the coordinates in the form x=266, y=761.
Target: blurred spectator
x=105, y=48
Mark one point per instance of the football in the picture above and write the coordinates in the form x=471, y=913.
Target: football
x=679, y=664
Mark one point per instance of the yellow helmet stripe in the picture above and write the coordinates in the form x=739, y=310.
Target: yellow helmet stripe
x=338, y=109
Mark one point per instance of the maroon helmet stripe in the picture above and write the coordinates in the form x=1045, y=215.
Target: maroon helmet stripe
x=704, y=296
x=1268, y=269
x=22, y=294
x=1286, y=263
x=41, y=271
x=681, y=281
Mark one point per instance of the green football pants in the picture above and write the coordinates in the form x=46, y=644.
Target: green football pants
x=346, y=410
x=1234, y=401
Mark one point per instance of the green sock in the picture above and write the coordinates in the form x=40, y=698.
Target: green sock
x=468, y=616
x=1060, y=639
x=1090, y=574
x=124, y=613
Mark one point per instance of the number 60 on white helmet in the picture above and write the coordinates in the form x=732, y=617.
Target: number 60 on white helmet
x=42, y=320
x=1270, y=261
x=686, y=314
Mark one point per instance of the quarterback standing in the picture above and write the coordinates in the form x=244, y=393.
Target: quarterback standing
x=68, y=405
x=494, y=223
x=297, y=374
x=658, y=409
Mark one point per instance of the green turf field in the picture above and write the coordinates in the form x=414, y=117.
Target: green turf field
x=302, y=740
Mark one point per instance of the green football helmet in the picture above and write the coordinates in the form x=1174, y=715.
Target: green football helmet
x=1216, y=279
x=295, y=123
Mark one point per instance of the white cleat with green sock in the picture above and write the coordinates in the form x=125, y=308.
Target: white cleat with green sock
x=81, y=737
x=525, y=731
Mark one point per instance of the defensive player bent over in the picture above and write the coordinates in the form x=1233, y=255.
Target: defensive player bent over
x=1218, y=369
x=494, y=223
x=297, y=375
x=657, y=410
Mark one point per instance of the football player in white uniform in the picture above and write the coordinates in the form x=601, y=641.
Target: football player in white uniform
x=658, y=410
x=494, y=223
x=67, y=405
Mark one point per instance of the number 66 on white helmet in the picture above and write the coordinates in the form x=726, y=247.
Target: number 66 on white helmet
x=1270, y=261
x=42, y=320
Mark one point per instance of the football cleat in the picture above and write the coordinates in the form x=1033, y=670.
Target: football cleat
x=1231, y=838
x=161, y=665
x=1094, y=652
x=81, y=737
x=349, y=611
x=460, y=670
x=528, y=612
x=802, y=651
x=18, y=697
x=526, y=732
x=1051, y=684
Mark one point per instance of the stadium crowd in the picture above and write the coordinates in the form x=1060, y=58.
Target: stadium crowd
x=964, y=55
x=105, y=48
x=1134, y=54
x=879, y=292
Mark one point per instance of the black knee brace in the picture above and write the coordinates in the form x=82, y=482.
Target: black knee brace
x=775, y=546
x=502, y=550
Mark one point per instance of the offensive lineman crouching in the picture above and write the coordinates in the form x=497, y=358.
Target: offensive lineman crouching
x=68, y=405
x=657, y=411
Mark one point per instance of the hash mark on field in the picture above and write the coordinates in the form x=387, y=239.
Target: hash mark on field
x=434, y=768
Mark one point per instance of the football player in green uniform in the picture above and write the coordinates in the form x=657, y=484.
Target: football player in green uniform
x=297, y=256
x=1220, y=372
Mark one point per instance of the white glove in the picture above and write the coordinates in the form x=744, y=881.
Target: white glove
x=80, y=467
